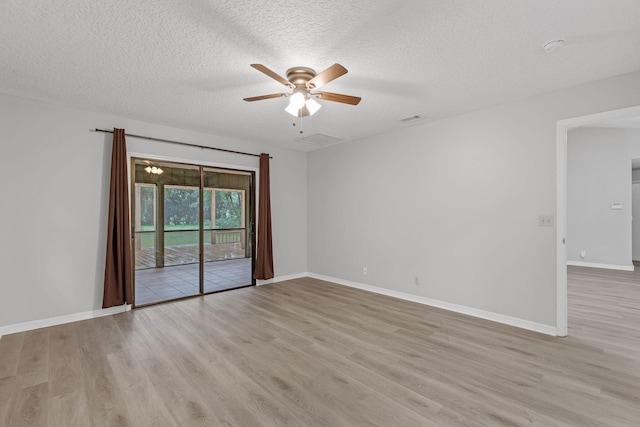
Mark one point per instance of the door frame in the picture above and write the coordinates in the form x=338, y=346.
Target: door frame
x=253, y=208
x=634, y=224
x=562, y=128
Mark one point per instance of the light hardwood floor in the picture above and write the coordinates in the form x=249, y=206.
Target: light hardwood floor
x=307, y=352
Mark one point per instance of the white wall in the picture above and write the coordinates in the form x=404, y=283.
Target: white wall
x=455, y=202
x=598, y=175
x=54, y=177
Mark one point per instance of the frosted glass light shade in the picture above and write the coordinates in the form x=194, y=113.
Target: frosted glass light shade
x=297, y=100
x=304, y=109
x=292, y=110
x=312, y=106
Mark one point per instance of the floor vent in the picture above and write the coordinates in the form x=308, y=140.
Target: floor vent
x=410, y=119
x=319, y=139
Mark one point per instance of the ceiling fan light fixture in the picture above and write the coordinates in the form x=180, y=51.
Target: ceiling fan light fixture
x=312, y=106
x=308, y=108
x=153, y=170
x=297, y=100
x=292, y=110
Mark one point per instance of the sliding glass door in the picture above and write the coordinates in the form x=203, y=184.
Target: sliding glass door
x=228, y=254
x=191, y=230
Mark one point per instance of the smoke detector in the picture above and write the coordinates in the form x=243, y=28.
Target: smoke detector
x=410, y=119
x=552, y=46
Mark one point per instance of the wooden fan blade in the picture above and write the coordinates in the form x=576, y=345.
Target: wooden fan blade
x=260, y=98
x=338, y=97
x=331, y=73
x=271, y=74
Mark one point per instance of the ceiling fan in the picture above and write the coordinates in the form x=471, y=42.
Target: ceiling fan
x=302, y=80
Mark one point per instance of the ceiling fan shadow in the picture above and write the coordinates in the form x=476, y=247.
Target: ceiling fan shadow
x=596, y=37
x=384, y=87
x=219, y=84
x=215, y=18
x=385, y=17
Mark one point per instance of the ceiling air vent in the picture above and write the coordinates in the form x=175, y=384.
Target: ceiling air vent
x=320, y=139
x=411, y=119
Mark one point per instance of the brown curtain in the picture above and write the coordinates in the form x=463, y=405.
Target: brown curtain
x=118, y=276
x=264, y=256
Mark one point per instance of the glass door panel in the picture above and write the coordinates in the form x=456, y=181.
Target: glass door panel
x=181, y=225
x=181, y=241
x=227, y=242
x=166, y=231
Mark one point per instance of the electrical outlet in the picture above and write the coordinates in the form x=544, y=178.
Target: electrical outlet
x=416, y=280
x=365, y=271
x=545, y=221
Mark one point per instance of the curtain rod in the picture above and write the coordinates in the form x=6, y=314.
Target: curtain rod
x=180, y=143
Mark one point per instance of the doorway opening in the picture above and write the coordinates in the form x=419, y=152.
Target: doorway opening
x=192, y=230
x=562, y=129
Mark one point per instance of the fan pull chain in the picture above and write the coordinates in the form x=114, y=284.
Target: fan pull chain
x=299, y=123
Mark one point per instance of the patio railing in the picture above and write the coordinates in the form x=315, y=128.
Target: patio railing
x=181, y=246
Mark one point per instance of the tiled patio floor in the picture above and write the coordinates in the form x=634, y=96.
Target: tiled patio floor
x=163, y=284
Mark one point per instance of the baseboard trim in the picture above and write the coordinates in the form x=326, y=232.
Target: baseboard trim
x=53, y=321
x=598, y=265
x=469, y=311
x=281, y=279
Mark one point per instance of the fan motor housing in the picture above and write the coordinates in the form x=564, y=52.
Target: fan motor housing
x=299, y=76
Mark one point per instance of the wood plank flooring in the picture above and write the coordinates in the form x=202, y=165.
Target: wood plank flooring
x=312, y=353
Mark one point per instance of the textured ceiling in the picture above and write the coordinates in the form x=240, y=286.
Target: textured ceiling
x=186, y=63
